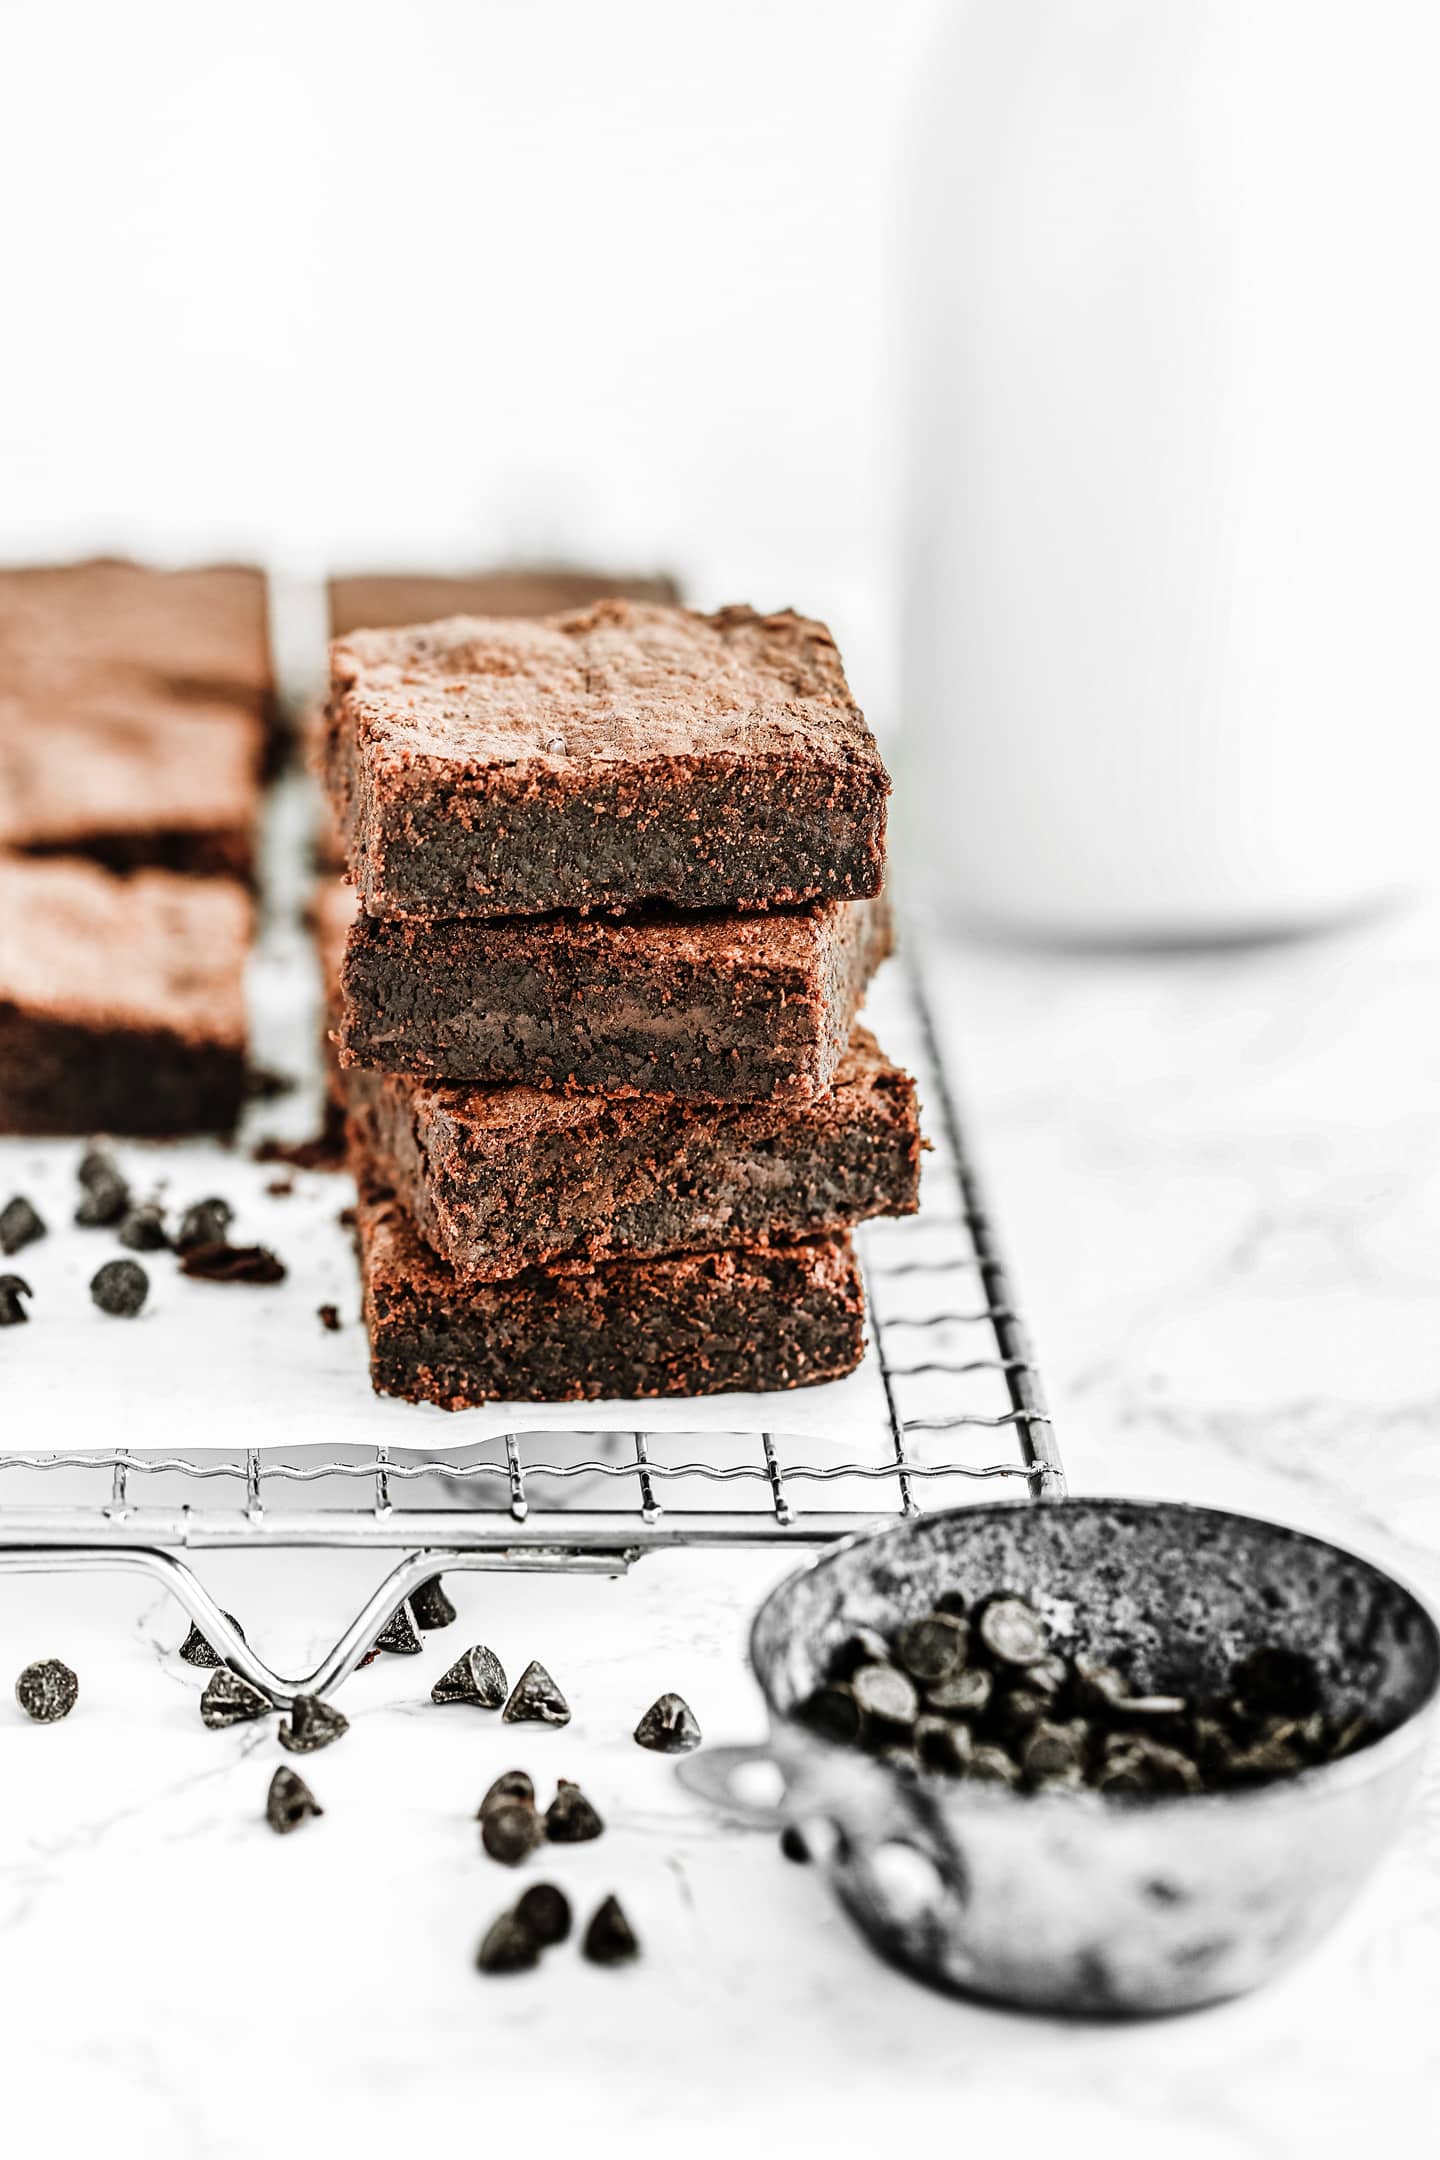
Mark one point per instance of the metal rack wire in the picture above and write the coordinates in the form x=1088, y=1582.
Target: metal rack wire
x=956, y=1373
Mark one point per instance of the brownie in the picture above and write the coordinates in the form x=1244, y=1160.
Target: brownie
x=694, y=1324
x=731, y=1008
x=108, y=625
x=623, y=755
x=381, y=602
x=133, y=780
x=501, y=1179
x=121, y=999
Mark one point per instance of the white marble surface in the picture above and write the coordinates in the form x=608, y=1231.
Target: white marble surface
x=1219, y=1179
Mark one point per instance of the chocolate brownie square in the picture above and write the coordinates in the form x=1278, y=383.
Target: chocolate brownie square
x=376, y=601
x=133, y=780
x=620, y=756
x=727, y=1008
x=122, y=1002
x=695, y=1324
x=109, y=626
x=500, y=1179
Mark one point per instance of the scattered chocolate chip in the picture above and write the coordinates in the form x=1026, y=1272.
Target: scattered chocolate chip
x=544, y=1912
x=933, y=1647
x=19, y=1225
x=989, y=1765
x=143, y=1229
x=478, y=1678
x=834, y=1711
x=12, y=1289
x=965, y=1694
x=510, y=1831
x=47, y=1692
x=329, y=1318
x=942, y=1744
x=570, y=1818
x=105, y=1196
x=120, y=1287
x=510, y=1785
x=536, y=1699
x=610, y=1939
x=289, y=1801
x=399, y=1635
x=886, y=1695
x=669, y=1727
x=867, y=1646
x=1053, y=1751
x=508, y=1946
x=204, y=1222
x=793, y=1845
x=196, y=1651
x=232, y=1263
x=1010, y=1631
x=431, y=1607
x=230, y=1700
x=311, y=1724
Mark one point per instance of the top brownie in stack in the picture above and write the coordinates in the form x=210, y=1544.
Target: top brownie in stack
x=623, y=755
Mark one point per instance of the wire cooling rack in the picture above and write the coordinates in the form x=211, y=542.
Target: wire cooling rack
x=963, y=1411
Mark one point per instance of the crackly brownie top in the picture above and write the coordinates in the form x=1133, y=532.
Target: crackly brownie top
x=80, y=945
x=382, y=602
x=77, y=766
x=203, y=631
x=471, y=1116
x=619, y=681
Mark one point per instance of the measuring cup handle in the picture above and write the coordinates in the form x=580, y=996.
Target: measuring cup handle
x=711, y=1774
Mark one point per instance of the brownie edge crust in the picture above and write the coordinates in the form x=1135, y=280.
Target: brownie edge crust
x=697, y=1324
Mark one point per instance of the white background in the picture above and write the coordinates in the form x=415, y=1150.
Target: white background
x=367, y=283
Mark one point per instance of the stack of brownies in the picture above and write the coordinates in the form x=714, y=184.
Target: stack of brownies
x=137, y=716
x=619, y=880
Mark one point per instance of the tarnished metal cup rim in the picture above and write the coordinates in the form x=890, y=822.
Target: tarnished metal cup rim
x=1348, y=1770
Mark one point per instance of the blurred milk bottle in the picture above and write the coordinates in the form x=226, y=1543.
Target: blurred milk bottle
x=1173, y=576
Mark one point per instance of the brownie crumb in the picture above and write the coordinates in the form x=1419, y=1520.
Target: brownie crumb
x=324, y=1150
x=329, y=1318
x=19, y=1225
x=220, y=1262
x=280, y=1188
x=262, y=1085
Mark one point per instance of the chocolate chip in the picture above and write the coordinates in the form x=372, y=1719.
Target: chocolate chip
x=942, y=1744
x=289, y=1801
x=510, y=1785
x=865, y=1647
x=399, y=1635
x=990, y=1765
x=311, y=1724
x=1098, y=1687
x=105, y=1196
x=507, y=1946
x=478, y=1677
x=431, y=1607
x=669, y=1727
x=932, y=1647
x=143, y=1229
x=329, y=1318
x=1011, y=1631
x=1273, y=1678
x=19, y=1225
x=196, y=1651
x=120, y=1287
x=1053, y=1751
x=965, y=1694
x=510, y=1831
x=570, y=1818
x=204, y=1222
x=232, y=1264
x=886, y=1695
x=610, y=1939
x=793, y=1845
x=12, y=1289
x=544, y=1912
x=536, y=1699
x=230, y=1700
x=833, y=1711
x=48, y=1691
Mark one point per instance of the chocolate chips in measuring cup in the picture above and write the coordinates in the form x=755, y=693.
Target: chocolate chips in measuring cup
x=980, y=1692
